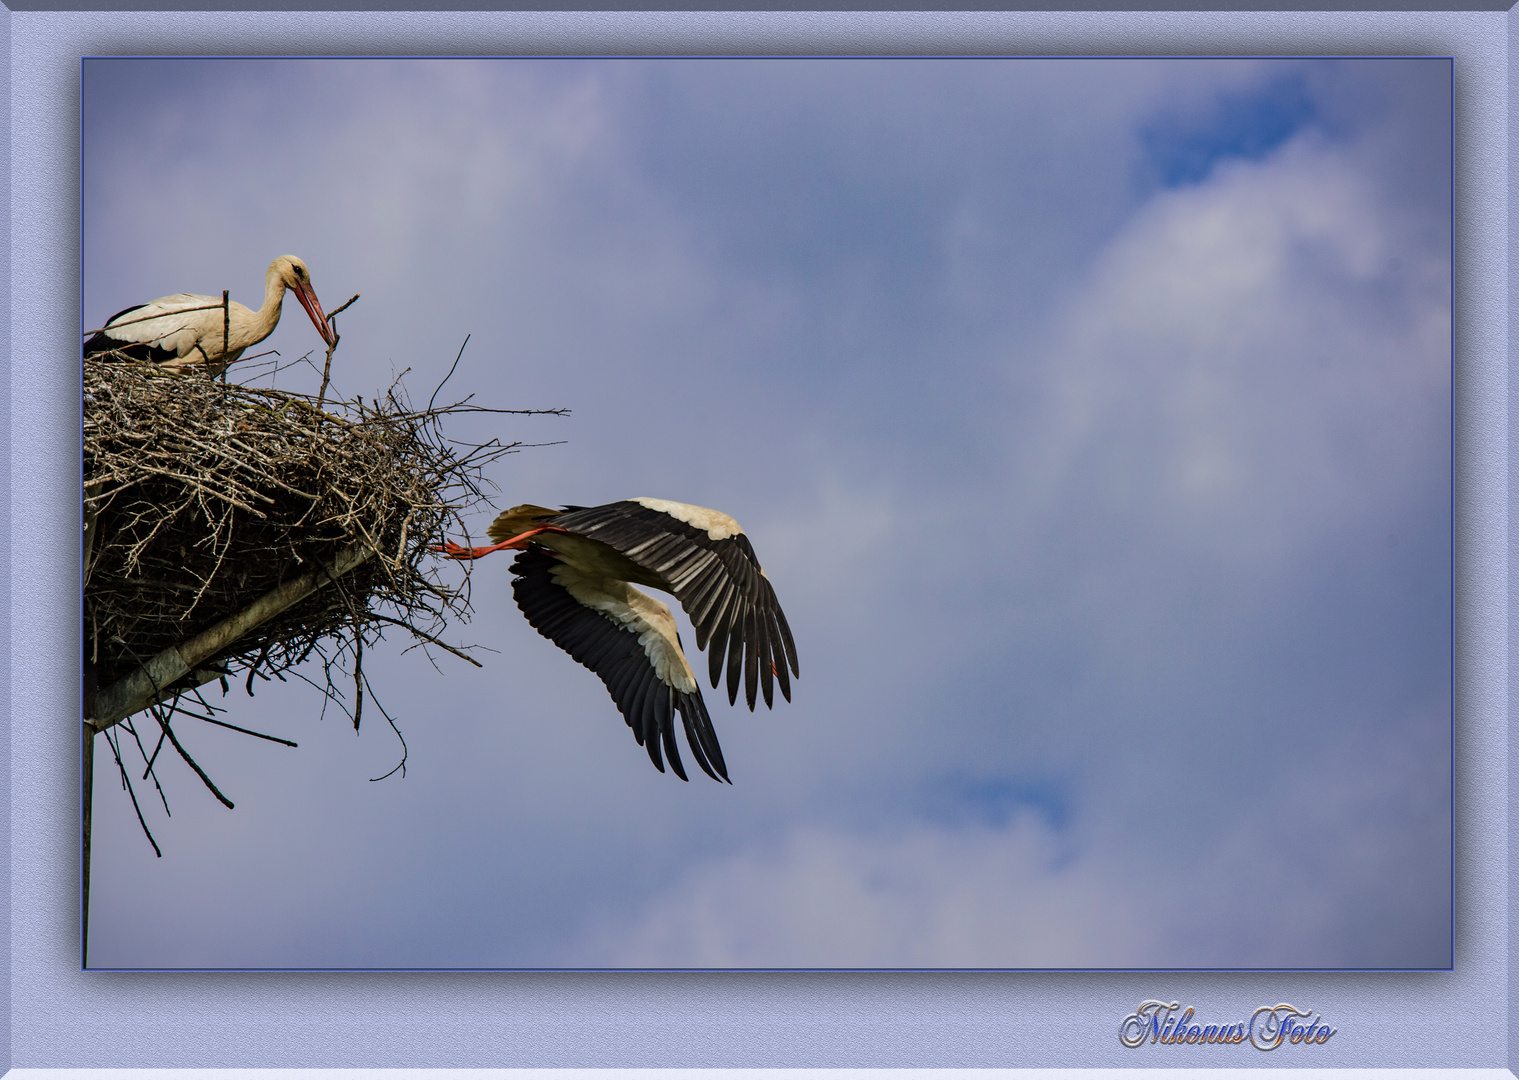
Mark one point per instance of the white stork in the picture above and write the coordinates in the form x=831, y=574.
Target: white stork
x=185, y=330
x=574, y=579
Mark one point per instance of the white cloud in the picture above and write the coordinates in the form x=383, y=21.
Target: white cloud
x=1341, y=869
x=922, y=897
x=1252, y=364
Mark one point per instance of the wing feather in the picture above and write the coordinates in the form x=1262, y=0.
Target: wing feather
x=718, y=622
x=164, y=330
x=735, y=661
x=764, y=638
x=717, y=648
x=118, y=343
x=706, y=590
x=752, y=656
x=708, y=563
x=781, y=675
x=700, y=736
x=617, y=656
x=666, y=724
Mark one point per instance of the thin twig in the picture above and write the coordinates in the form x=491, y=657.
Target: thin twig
x=190, y=761
x=358, y=676
x=405, y=751
x=321, y=394
x=342, y=307
x=450, y=374
x=426, y=637
x=156, y=748
x=147, y=318
x=149, y=771
x=126, y=782
x=253, y=667
x=245, y=731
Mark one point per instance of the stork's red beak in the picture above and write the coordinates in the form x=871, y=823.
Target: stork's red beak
x=307, y=296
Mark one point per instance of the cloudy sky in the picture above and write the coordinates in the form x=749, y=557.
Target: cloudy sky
x=1091, y=418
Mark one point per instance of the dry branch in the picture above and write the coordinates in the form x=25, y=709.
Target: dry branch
x=232, y=527
x=220, y=515
x=144, y=686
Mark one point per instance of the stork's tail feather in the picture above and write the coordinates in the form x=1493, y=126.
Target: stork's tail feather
x=518, y=520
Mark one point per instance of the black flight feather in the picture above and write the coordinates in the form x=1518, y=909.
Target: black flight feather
x=721, y=597
x=614, y=654
x=103, y=342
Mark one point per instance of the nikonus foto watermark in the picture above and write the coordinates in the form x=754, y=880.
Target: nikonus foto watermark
x=1268, y=1027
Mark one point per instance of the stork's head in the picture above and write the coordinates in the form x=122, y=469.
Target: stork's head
x=297, y=279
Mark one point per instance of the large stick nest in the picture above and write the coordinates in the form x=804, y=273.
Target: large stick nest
x=206, y=496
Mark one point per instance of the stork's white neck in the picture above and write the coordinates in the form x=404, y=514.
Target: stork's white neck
x=266, y=318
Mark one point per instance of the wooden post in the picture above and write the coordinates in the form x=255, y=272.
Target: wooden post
x=87, y=750
x=88, y=756
x=112, y=704
x=147, y=684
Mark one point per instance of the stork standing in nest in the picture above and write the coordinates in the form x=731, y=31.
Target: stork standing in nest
x=574, y=580
x=186, y=330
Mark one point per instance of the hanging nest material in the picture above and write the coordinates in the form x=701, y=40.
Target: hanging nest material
x=204, y=499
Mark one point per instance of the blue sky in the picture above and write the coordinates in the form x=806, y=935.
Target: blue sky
x=1092, y=419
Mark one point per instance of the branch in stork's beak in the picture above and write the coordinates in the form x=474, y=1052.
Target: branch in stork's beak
x=307, y=296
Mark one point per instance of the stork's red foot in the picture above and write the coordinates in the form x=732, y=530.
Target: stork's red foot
x=450, y=550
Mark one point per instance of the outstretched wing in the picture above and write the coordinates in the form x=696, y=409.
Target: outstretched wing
x=615, y=630
x=707, y=562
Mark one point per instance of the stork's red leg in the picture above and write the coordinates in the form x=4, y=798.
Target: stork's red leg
x=450, y=550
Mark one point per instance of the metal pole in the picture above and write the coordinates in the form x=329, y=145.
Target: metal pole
x=88, y=755
x=146, y=685
x=87, y=750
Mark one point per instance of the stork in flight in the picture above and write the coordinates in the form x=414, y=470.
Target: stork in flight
x=574, y=581
x=185, y=330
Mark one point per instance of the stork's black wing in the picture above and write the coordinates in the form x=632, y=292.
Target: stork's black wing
x=718, y=583
x=124, y=348
x=614, y=653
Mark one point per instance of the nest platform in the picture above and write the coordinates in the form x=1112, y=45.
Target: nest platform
x=204, y=500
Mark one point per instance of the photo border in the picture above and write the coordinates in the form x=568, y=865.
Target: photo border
x=61, y=1017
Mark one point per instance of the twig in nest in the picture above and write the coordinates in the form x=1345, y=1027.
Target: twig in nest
x=158, y=714
x=427, y=639
x=321, y=394
x=209, y=498
x=126, y=782
x=246, y=731
x=253, y=667
x=405, y=752
x=358, y=678
x=450, y=374
x=174, y=456
x=148, y=772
